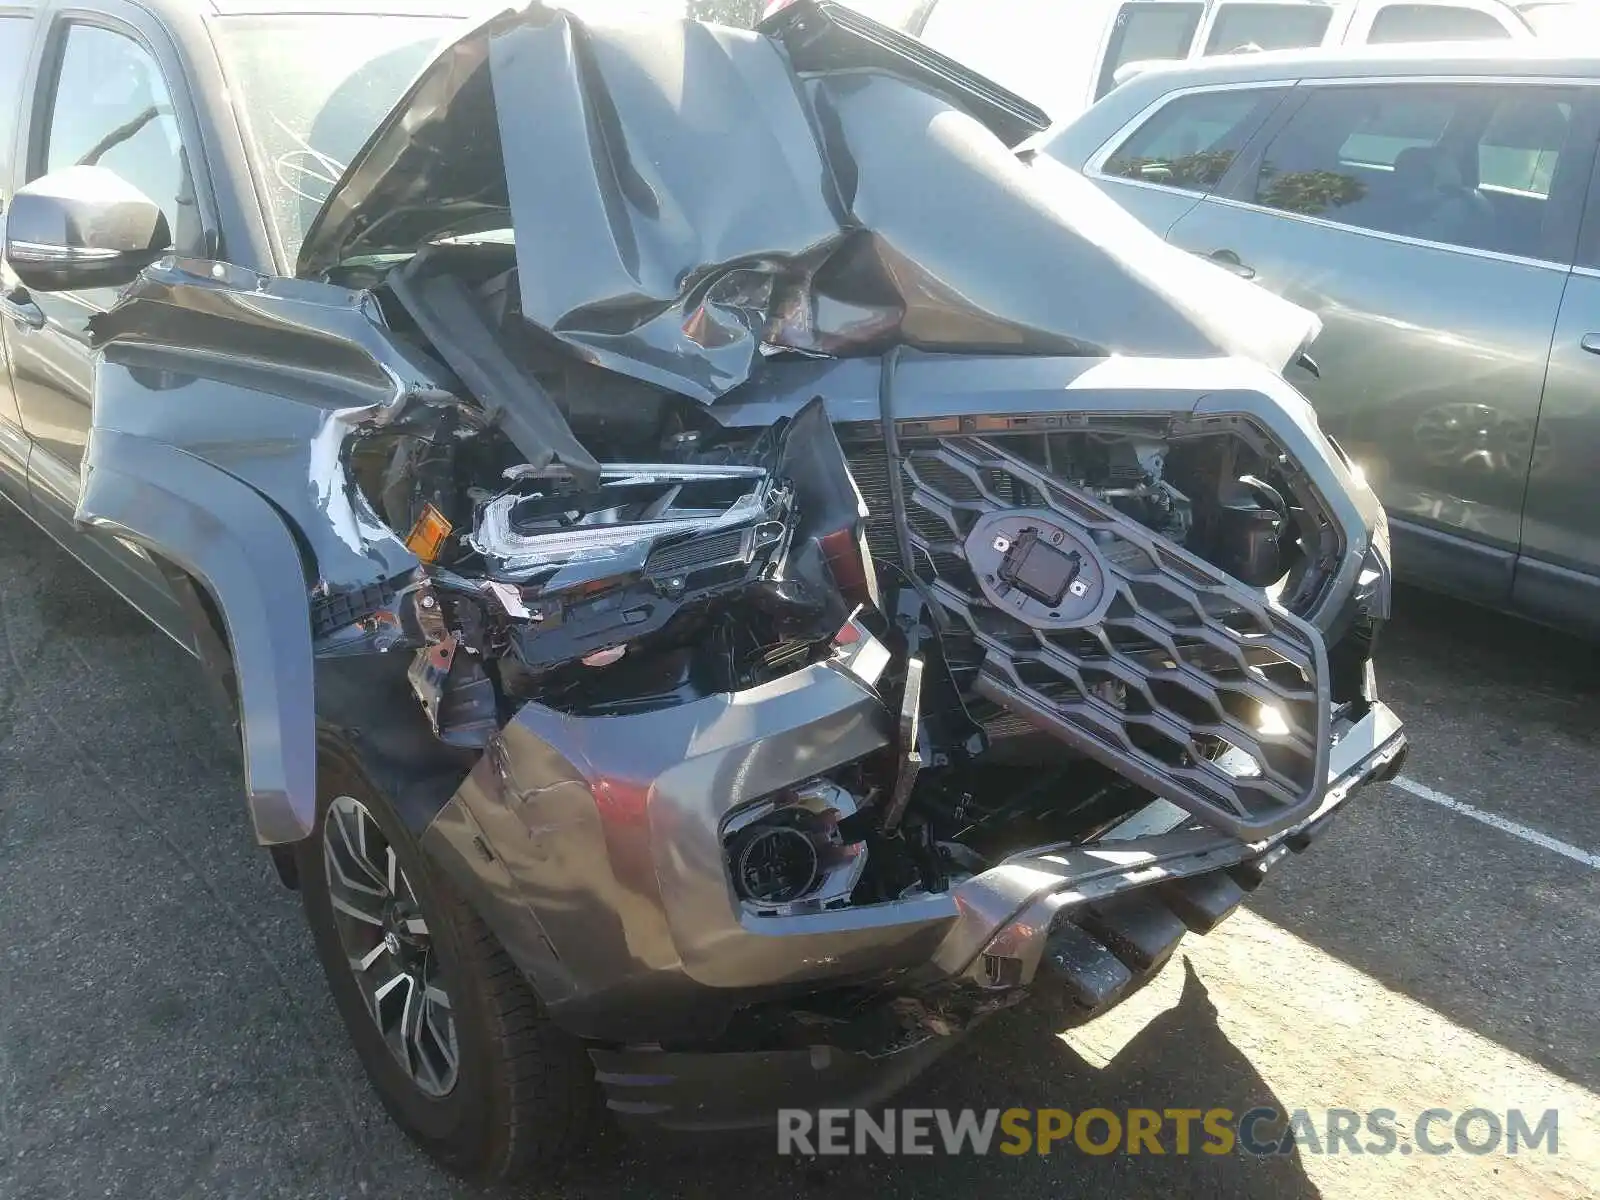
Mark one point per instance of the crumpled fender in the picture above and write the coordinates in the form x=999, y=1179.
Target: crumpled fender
x=233, y=541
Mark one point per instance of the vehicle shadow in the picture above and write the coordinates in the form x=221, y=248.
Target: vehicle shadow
x=1434, y=636
x=1469, y=920
x=1180, y=1059
x=73, y=602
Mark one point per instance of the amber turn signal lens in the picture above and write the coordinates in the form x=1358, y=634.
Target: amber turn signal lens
x=427, y=536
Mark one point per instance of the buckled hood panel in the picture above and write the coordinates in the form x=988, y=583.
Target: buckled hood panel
x=682, y=200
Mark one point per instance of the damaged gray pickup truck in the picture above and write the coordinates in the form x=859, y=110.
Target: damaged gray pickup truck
x=727, y=575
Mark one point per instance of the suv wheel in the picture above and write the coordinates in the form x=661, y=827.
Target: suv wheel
x=451, y=1036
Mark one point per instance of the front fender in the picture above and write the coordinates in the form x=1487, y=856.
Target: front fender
x=234, y=542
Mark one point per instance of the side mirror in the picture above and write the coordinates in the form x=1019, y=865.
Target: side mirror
x=82, y=227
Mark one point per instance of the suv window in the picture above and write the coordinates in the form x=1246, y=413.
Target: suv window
x=1389, y=128
x=1522, y=144
x=16, y=35
x=1467, y=165
x=111, y=108
x=1191, y=142
x=1147, y=31
x=1433, y=23
x=1240, y=27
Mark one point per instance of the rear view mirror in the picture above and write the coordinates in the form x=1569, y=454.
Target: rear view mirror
x=82, y=227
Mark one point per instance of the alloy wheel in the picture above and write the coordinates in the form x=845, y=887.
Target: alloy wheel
x=386, y=941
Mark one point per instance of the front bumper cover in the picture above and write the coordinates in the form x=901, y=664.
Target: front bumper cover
x=1124, y=900
x=592, y=848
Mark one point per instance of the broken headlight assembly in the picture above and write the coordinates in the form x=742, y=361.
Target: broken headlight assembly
x=699, y=517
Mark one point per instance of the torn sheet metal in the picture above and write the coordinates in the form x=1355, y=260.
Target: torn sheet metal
x=267, y=380
x=712, y=202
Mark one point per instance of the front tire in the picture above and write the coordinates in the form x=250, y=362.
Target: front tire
x=453, y=1039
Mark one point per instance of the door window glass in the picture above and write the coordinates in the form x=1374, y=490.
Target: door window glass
x=1396, y=123
x=112, y=109
x=1522, y=144
x=1147, y=31
x=1191, y=142
x=1241, y=27
x=16, y=35
x=1468, y=166
x=1433, y=23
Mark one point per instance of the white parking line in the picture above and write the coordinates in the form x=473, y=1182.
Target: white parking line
x=1565, y=849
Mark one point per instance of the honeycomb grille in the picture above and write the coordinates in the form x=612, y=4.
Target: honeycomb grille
x=1192, y=684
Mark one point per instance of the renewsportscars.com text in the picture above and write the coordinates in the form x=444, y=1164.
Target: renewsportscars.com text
x=1179, y=1131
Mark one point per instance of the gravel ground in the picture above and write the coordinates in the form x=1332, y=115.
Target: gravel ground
x=165, y=1030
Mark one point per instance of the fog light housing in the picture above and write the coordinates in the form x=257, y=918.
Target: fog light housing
x=787, y=853
x=774, y=863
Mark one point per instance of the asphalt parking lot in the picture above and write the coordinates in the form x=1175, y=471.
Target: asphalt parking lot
x=165, y=1031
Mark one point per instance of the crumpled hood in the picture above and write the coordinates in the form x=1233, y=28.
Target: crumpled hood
x=683, y=199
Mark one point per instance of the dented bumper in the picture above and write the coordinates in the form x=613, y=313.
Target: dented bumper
x=1100, y=917
x=594, y=849
x=1160, y=848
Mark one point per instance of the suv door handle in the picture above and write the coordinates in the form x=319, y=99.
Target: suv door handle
x=1229, y=261
x=1591, y=342
x=19, y=306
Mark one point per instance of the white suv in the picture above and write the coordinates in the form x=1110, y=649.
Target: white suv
x=1065, y=56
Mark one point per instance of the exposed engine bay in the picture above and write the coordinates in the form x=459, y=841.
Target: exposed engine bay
x=680, y=558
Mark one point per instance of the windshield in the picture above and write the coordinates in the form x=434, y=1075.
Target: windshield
x=312, y=88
